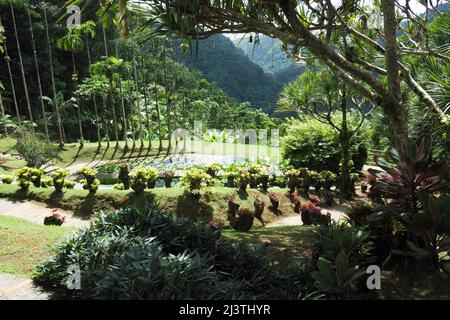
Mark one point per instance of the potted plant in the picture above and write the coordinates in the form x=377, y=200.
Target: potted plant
x=292, y=176
x=197, y=182
x=308, y=213
x=274, y=200
x=314, y=199
x=297, y=202
x=316, y=180
x=167, y=176
x=328, y=179
x=212, y=169
x=233, y=207
x=124, y=176
x=55, y=219
x=259, y=205
x=305, y=177
x=35, y=176
x=152, y=176
x=139, y=180
x=59, y=177
x=254, y=170
x=243, y=178
x=90, y=182
x=23, y=178
x=243, y=221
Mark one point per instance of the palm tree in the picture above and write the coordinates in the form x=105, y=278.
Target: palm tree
x=72, y=42
x=109, y=67
x=158, y=111
x=11, y=80
x=136, y=81
x=168, y=99
x=88, y=29
x=22, y=71
x=38, y=75
x=55, y=102
x=147, y=112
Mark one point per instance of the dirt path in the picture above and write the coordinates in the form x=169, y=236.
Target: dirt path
x=18, y=288
x=337, y=212
x=36, y=212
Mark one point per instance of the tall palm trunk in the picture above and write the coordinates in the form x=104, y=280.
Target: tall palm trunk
x=78, y=102
x=13, y=88
x=147, y=113
x=158, y=111
x=168, y=100
x=55, y=101
x=94, y=99
x=22, y=71
x=175, y=116
x=136, y=81
x=131, y=101
x=346, y=183
x=122, y=104
x=2, y=114
x=105, y=120
x=113, y=108
x=38, y=75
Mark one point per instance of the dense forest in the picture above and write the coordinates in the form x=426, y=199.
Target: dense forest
x=221, y=62
x=268, y=53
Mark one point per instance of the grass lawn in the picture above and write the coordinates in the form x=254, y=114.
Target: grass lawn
x=23, y=244
x=286, y=244
x=72, y=154
x=171, y=200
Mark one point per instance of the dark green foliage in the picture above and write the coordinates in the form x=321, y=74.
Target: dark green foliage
x=133, y=254
x=221, y=62
x=315, y=145
x=342, y=255
x=35, y=149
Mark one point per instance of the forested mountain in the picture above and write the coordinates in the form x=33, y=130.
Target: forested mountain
x=268, y=54
x=221, y=62
x=126, y=87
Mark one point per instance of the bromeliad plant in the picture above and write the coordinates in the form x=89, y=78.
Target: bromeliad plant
x=35, y=176
x=213, y=169
x=7, y=179
x=242, y=178
x=139, y=178
x=124, y=176
x=197, y=182
x=90, y=182
x=167, y=176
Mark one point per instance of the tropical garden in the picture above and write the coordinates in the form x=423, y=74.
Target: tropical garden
x=177, y=149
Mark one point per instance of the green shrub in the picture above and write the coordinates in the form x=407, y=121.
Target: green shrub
x=314, y=145
x=118, y=186
x=23, y=178
x=69, y=184
x=35, y=149
x=7, y=179
x=197, y=182
x=46, y=182
x=342, y=255
x=145, y=254
x=59, y=176
x=139, y=178
x=90, y=181
x=36, y=176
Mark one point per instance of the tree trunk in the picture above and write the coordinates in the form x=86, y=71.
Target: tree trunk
x=147, y=113
x=344, y=137
x=158, y=111
x=13, y=89
x=2, y=114
x=113, y=108
x=78, y=102
x=94, y=99
x=136, y=82
x=38, y=75
x=393, y=106
x=22, y=71
x=168, y=101
x=55, y=101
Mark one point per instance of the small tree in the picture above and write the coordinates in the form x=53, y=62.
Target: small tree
x=35, y=149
